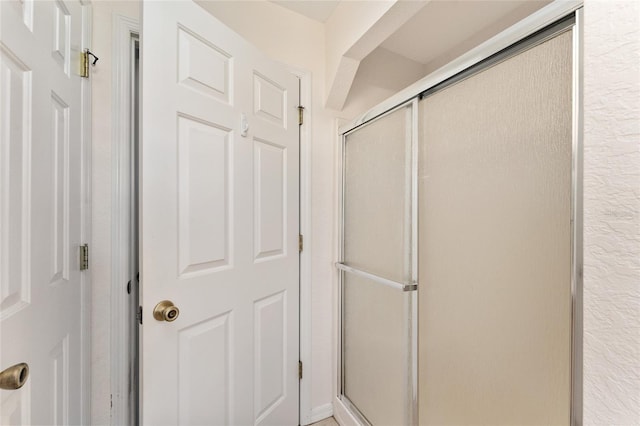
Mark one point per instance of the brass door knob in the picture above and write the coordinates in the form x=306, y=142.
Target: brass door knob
x=14, y=377
x=166, y=311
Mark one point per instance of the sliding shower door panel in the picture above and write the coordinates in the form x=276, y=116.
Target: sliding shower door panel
x=374, y=350
x=377, y=276
x=377, y=196
x=495, y=244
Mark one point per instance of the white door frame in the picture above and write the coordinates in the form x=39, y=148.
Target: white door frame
x=124, y=29
x=85, y=225
x=305, y=409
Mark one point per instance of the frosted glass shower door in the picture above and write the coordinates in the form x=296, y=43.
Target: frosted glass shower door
x=495, y=248
x=377, y=269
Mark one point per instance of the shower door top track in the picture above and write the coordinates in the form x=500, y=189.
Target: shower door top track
x=538, y=21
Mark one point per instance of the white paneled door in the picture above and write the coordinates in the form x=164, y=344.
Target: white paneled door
x=41, y=151
x=219, y=228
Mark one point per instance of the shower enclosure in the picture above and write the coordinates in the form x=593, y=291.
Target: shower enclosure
x=379, y=268
x=460, y=293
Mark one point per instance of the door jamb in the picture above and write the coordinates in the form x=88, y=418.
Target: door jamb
x=85, y=225
x=305, y=411
x=124, y=30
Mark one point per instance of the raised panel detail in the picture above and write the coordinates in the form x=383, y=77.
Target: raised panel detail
x=204, y=372
x=61, y=35
x=60, y=189
x=270, y=201
x=15, y=202
x=15, y=406
x=27, y=13
x=203, y=66
x=204, y=212
x=269, y=100
x=270, y=322
x=59, y=364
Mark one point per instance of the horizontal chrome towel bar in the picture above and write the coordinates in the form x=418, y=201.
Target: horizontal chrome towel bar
x=377, y=279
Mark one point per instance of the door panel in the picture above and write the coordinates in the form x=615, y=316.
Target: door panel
x=16, y=145
x=270, y=203
x=41, y=207
x=270, y=353
x=377, y=196
x=375, y=349
x=495, y=243
x=204, y=186
x=219, y=224
x=205, y=371
x=378, y=278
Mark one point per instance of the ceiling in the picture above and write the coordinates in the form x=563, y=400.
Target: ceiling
x=441, y=30
x=318, y=10
x=437, y=34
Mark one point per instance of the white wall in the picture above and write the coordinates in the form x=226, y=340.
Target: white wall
x=346, y=26
x=380, y=75
x=612, y=213
x=101, y=163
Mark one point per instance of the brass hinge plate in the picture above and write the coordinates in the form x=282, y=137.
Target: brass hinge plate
x=84, y=257
x=84, y=64
x=300, y=243
x=300, y=115
x=300, y=370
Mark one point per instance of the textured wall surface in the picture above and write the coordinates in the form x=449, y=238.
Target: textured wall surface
x=612, y=213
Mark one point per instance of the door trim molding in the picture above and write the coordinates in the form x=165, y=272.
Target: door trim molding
x=124, y=29
x=305, y=410
x=85, y=227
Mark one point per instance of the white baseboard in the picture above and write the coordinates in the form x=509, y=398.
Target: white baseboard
x=320, y=413
x=342, y=414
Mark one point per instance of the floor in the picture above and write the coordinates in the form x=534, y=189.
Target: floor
x=326, y=422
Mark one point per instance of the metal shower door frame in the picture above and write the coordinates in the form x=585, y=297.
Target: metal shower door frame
x=557, y=17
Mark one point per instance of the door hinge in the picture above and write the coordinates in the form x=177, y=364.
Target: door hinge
x=84, y=62
x=300, y=115
x=84, y=257
x=139, y=315
x=300, y=370
x=300, y=243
